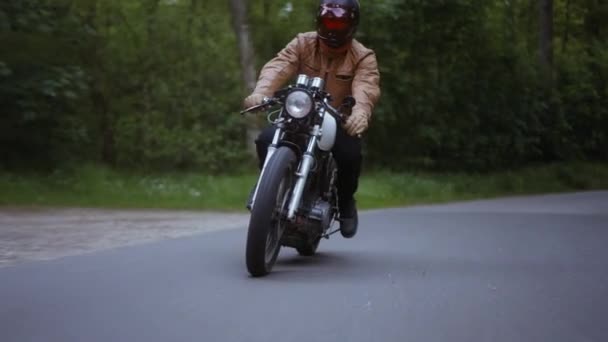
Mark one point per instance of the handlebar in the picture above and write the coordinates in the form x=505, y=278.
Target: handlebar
x=334, y=112
x=337, y=115
x=269, y=102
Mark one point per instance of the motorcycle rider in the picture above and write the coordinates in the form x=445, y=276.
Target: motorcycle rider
x=349, y=69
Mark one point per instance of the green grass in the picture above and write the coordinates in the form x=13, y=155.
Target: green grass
x=91, y=186
x=389, y=190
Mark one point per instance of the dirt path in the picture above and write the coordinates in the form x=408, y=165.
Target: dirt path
x=44, y=234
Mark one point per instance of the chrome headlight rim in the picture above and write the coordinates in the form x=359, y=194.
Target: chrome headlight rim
x=299, y=104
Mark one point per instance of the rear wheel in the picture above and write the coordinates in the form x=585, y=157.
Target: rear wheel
x=268, y=222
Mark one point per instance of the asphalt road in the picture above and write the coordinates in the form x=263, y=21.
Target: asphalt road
x=518, y=269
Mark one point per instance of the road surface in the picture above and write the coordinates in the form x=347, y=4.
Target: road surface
x=516, y=269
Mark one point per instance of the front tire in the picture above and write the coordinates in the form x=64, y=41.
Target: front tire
x=267, y=221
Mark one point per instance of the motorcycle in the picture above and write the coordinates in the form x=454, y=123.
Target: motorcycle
x=295, y=203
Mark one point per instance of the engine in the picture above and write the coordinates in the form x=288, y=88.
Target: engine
x=319, y=217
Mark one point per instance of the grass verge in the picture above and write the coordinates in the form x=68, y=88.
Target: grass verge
x=91, y=186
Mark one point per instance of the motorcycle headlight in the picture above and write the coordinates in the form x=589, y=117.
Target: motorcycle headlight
x=298, y=104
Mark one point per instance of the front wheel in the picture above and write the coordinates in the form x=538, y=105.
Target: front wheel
x=267, y=222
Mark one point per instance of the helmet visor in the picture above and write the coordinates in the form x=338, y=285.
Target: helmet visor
x=334, y=24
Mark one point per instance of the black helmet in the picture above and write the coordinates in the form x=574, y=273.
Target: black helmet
x=337, y=21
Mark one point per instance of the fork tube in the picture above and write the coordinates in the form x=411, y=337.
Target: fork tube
x=302, y=174
x=271, y=148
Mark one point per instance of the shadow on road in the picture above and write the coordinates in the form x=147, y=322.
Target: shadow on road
x=350, y=265
x=319, y=259
x=336, y=265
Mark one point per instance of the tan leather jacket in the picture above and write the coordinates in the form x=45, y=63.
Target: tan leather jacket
x=353, y=72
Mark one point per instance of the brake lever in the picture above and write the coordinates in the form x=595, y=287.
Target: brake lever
x=252, y=109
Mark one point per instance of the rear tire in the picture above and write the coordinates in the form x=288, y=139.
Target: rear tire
x=267, y=222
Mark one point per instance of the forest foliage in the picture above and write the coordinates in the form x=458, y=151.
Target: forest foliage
x=156, y=84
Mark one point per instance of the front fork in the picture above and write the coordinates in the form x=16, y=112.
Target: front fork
x=306, y=165
x=278, y=133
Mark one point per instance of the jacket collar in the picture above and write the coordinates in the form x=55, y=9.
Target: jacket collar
x=332, y=52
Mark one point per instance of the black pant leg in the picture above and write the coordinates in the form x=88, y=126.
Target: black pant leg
x=348, y=156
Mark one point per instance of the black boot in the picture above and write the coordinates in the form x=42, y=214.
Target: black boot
x=349, y=220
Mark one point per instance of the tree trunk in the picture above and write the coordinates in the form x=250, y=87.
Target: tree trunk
x=594, y=18
x=267, y=30
x=147, y=98
x=551, y=144
x=243, y=35
x=151, y=8
x=193, y=12
x=97, y=94
x=510, y=26
x=566, y=36
x=546, y=34
x=240, y=25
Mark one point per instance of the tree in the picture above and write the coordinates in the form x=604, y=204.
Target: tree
x=473, y=84
x=240, y=25
x=546, y=34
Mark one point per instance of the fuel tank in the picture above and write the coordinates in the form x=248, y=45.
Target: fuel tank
x=328, y=133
